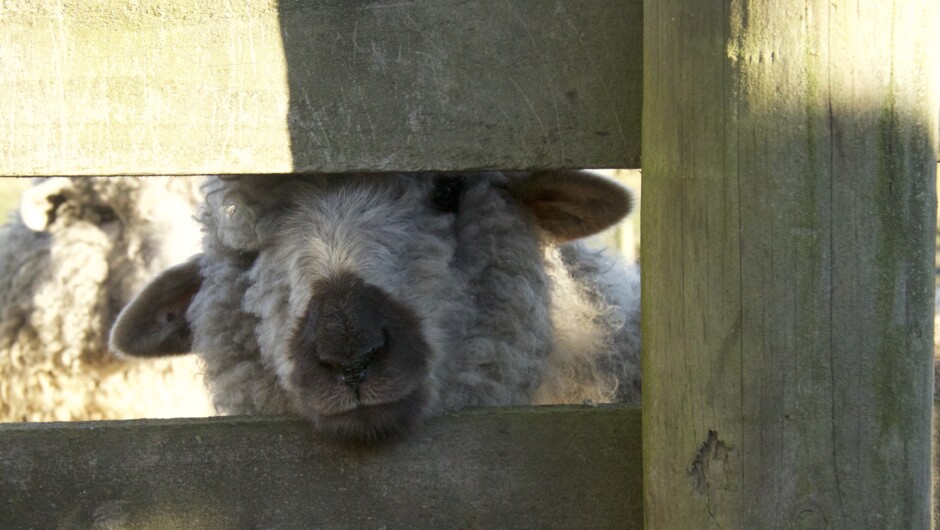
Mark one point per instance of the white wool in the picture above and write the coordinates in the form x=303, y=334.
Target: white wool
x=595, y=315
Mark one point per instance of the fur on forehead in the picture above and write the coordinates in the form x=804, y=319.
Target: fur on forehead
x=241, y=213
x=233, y=212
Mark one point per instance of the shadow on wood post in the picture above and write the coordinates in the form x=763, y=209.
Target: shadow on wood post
x=789, y=215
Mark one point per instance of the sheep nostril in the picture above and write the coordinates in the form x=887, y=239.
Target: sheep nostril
x=354, y=374
x=331, y=365
x=351, y=374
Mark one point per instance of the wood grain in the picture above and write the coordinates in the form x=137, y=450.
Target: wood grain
x=546, y=467
x=789, y=214
x=185, y=87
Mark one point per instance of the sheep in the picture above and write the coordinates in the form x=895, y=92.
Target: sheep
x=365, y=302
x=70, y=259
x=936, y=343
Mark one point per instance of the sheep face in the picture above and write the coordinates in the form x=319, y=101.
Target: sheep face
x=122, y=225
x=365, y=302
x=349, y=293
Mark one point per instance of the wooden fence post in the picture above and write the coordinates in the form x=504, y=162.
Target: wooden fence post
x=789, y=155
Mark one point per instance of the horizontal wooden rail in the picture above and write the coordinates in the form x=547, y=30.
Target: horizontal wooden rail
x=543, y=467
x=184, y=87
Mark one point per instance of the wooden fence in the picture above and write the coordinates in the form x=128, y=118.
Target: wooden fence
x=789, y=155
x=565, y=467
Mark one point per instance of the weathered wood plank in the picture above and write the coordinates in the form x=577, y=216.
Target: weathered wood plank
x=187, y=87
x=789, y=213
x=935, y=462
x=547, y=467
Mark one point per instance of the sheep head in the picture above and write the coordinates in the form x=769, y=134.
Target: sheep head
x=365, y=302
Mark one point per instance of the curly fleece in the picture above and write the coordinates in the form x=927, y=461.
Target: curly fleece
x=61, y=288
x=511, y=316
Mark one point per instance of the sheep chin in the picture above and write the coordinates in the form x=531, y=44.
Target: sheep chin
x=370, y=423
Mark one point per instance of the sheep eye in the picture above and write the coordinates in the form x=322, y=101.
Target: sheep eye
x=446, y=194
x=247, y=258
x=105, y=214
x=55, y=202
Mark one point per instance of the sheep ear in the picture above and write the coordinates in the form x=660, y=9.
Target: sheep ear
x=154, y=323
x=572, y=204
x=38, y=204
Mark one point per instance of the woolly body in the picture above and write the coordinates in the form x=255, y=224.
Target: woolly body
x=90, y=245
x=505, y=315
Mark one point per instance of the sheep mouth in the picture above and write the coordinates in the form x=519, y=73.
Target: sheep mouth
x=371, y=422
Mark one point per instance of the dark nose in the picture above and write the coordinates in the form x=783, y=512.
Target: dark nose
x=344, y=330
x=351, y=363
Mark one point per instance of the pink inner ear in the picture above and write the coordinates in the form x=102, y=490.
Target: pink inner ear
x=549, y=210
x=550, y=204
x=549, y=196
x=571, y=205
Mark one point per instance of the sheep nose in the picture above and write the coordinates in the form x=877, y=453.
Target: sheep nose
x=344, y=328
x=353, y=368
